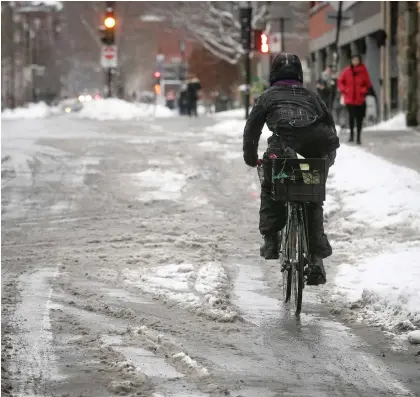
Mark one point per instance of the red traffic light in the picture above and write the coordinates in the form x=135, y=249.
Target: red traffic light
x=157, y=75
x=264, y=44
x=261, y=43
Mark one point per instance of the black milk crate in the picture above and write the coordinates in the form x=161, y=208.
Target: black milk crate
x=299, y=180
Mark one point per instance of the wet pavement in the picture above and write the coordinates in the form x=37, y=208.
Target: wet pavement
x=80, y=219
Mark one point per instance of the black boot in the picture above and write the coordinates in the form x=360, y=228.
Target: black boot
x=317, y=275
x=351, y=139
x=270, y=248
x=359, y=141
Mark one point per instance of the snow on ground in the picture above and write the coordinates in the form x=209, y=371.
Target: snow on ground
x=414, y=337
x=201, y=289
x=117, y=109
x=376, y=191
x=159, y=185
x=385, y=287
x=383, y=283
x=231, y=114
x=32, y=111
x=396, y=123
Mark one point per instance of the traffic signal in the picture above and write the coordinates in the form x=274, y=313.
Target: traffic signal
x=108, y=28
x=157, y=77
x=261, y=42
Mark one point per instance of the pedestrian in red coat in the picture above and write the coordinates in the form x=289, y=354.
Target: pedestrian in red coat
x=354, y=84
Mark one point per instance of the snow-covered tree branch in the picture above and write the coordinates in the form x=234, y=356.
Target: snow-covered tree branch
x=215, y=25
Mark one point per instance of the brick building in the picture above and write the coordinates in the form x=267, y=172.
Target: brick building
x=364, y=36
x=378, y=33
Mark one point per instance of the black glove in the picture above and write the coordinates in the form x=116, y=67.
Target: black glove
x=251, y=158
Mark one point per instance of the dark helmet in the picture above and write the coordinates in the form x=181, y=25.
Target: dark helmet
x=286, y=66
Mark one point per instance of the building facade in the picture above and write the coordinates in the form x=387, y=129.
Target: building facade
x=372, y=33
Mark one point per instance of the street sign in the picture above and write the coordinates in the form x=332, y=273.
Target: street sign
x=109, y=56
x=346, y=19
x=275, y=42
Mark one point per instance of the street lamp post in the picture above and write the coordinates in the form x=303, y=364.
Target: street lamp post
x=335, y=59
x=245, y=14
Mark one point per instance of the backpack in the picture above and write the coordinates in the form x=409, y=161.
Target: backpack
x=310, y=138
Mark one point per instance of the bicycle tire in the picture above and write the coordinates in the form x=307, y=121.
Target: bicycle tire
x=287, y=274
x=300, y=266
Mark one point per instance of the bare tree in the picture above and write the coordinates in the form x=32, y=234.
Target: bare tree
x=215, y=25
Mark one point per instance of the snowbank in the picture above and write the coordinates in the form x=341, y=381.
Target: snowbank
x=385, y=288
x=117, y=109
x=202, y=289
x=232, y=128
x=159, y=185
x=396, y=123
x=32, y=111
x=374, y=190
x=374, y=193
x=231, y=114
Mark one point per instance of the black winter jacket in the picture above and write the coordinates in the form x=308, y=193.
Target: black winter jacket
x=298, y=118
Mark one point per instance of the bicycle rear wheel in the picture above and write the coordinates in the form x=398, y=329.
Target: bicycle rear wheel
x=298, y=259
x=299, y=268
x=285, y=264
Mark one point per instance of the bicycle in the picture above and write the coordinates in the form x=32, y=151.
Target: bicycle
x=295, y=182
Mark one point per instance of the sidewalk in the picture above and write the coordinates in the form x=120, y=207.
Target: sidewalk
x=399, y=147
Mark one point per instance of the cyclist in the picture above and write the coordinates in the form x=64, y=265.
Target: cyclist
x=300, y=122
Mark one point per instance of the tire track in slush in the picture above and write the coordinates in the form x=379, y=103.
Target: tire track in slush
x=34, y=363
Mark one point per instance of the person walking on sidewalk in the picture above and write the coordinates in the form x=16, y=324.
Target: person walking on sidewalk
x=354, y=84
x=193, y=87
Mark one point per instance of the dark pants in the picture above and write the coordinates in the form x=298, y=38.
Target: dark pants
x=192, y=108
x=356, y=116
x=273, y=217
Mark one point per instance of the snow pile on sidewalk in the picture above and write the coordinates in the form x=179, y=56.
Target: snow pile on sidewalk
x=375, y=191
x=384, y=283
x=231, y=114
x=201, y=289
x=386, y=288
x=117, y=109
x=396, y=123
x=32, y=111
x=159, y=185
x=234, y=128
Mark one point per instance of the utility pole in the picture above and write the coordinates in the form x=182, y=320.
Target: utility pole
x=412, y=65
x=282, y=34
x=109, y=49
x=246, y=30
x=336, y=56
x=13, y=61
